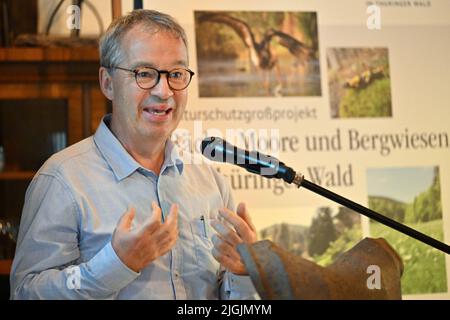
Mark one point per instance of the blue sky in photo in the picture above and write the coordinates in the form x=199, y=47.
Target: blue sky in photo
x=401, y=184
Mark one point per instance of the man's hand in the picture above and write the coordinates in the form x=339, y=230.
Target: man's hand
x=227, y=239
x=140, y=246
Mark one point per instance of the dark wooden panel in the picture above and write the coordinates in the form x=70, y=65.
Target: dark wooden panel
x=31, y=131
x=17, y=17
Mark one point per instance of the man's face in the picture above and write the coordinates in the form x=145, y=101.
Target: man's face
x=139, y=113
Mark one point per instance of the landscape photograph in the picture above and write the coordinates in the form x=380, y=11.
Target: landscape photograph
x=320, y=234
x=411, y=196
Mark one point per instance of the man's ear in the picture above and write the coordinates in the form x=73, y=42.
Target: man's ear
x=106, y=84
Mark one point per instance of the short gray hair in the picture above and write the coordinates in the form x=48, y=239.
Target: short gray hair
x=110, y=43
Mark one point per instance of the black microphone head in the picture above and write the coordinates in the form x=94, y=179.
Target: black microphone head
x=209, y=145
x=217, y=149
x=205, y=142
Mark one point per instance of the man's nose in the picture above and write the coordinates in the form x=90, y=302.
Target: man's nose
x=162, y=89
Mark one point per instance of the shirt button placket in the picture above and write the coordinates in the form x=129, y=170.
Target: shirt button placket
x=165, y=207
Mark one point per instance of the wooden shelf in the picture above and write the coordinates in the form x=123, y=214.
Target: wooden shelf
x=53, y=64
x=5, y=266
x=55, y=54
x=17, y=175
x=69, y=73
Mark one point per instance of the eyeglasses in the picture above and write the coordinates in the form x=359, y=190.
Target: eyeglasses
x=147, y=77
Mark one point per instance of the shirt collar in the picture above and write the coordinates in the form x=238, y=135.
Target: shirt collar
x=118, y=158
x=172, y=157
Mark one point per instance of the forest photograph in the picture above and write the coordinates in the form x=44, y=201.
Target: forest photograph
x=330, y=231
x=359, y=82
x=411, y=196
x=257, y=54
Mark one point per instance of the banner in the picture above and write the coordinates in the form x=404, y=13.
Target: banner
x=353, y=94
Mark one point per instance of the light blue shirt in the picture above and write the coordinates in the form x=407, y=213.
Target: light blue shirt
x=73, y=205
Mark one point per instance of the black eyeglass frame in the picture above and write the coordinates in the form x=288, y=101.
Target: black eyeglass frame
x=167, y=72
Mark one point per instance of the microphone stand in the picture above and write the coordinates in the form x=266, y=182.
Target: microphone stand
x=301, y=182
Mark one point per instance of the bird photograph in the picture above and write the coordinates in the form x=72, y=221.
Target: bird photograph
x=359, y=82
x=257, y=54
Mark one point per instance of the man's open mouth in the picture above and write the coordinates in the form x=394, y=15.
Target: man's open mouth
x=158, y=112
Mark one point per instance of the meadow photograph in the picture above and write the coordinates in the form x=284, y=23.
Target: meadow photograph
x=257, y=54
x=359, y=82
x=411, y=196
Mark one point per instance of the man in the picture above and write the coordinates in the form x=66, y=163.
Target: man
x=120, y=215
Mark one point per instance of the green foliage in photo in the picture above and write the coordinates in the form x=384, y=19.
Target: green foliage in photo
x=427, y=205
x=390, y=208
x=424, y=266
x=347, y=240
x=372, y=101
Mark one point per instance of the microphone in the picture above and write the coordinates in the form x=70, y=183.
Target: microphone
x=217, y=149
x=267, y=166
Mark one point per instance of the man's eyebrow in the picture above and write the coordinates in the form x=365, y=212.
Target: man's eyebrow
x=181, y=63
x=139, y=64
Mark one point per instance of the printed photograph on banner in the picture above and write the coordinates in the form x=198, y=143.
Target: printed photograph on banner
x=257, y=54
x=412, y=196
x=359, y=82
x=319, y=234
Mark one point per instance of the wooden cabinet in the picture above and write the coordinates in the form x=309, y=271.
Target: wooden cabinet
x=49, y=99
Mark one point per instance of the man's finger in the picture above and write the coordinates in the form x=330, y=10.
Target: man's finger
x=154, y=221
x=230, y=264
x=225, y=248
x=237, y=222
x=243, y=213
x=170, y=226
x=173, y=214
x=226, y=233
x=126, y=220
x=156, y=212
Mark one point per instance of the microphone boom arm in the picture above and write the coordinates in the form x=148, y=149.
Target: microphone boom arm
x=301, y=182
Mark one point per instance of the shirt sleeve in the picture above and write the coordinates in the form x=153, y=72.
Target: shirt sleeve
x=47, y=263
